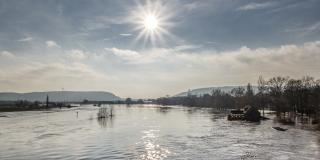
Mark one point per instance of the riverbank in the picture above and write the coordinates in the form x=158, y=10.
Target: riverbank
x=30, y=108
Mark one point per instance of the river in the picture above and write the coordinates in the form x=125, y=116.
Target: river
x=148, y=132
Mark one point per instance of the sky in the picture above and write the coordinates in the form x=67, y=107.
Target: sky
x=108, y=45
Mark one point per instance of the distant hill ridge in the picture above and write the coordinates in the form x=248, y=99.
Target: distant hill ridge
x=60, y=96
x=208, y=90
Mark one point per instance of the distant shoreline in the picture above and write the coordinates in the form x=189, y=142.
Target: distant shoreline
x=14, y=106
x=19, y=109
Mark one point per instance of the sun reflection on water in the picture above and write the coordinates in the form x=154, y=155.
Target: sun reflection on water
x=153, y=151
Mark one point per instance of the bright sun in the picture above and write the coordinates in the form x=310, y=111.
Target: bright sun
x=150, y=22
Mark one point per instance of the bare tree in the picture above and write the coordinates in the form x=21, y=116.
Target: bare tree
x=262, y=91
x=238, y=92
x=262, y=85
x=276, y=85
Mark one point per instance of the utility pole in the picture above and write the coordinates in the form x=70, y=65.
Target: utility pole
x=47, y=102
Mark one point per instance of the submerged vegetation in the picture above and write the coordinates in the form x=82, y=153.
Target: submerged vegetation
x=24, y=105
x=281, y=94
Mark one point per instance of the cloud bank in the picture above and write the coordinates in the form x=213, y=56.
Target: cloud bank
x=156, y=72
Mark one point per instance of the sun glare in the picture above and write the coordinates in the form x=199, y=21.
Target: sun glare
x=150, y=22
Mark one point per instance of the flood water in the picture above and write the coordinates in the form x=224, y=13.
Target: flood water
x=148, y=132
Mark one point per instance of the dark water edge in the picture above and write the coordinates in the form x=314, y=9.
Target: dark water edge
x=19, y=109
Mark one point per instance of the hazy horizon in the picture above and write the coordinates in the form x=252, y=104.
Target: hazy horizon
x=173, y=94
x=149, y=49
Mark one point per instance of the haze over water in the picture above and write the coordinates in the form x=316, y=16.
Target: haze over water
x=148, y=132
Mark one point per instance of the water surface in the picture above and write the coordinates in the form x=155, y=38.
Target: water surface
x=148, y=132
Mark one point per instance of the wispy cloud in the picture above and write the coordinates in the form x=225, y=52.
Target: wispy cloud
x=193, y=5
x=26, y=39
x=187, y=47
x=212, y=43
x=143, y=57
x=52, y=44
x=307, y=30
x=125, y=34
x=314, y=28
x=125, y=54
x=255, y=6
x=77, y=55
x=6, y=54
x=94, y=24
x=101, y=22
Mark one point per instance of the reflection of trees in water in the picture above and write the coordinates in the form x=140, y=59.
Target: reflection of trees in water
x=193, y=110
x=163, y=109
x=215, y=117
x=287, y=119
x=213, y=113
x=106, y=122
x=103, y=112
x=105, y=117
x=91, y=117
x=216, y=114
x=300, y=121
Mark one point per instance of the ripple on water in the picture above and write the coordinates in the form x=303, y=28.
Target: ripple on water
x=48, y=135
x=180, y=134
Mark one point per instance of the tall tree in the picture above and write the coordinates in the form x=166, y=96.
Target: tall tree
x=276, y=86
x=249, y=91
x=262, y=91
x=238, y=94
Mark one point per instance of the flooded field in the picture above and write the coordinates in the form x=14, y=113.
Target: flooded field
x=148, y=132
